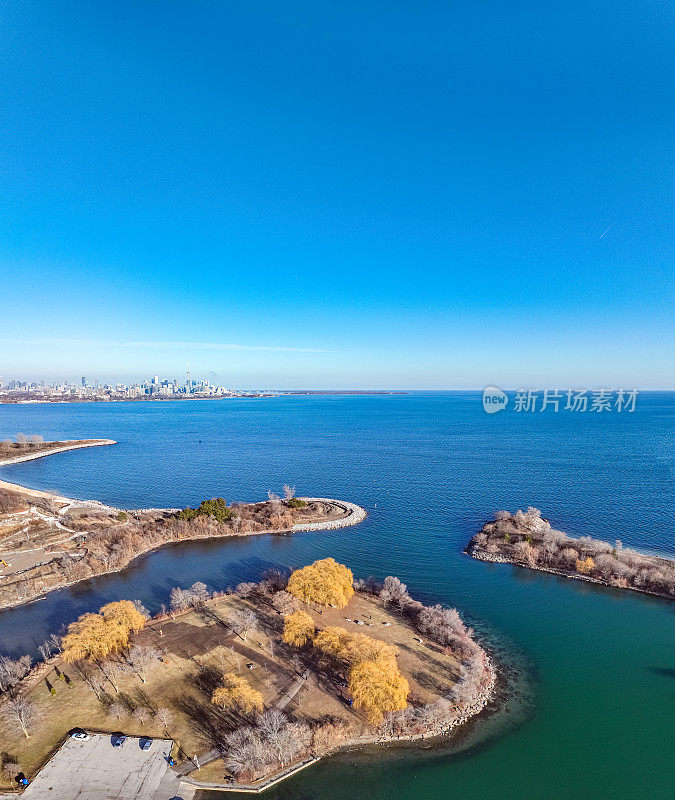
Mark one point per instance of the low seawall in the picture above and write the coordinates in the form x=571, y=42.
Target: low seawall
x=355, y=515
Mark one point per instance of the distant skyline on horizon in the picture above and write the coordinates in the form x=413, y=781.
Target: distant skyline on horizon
x=338, y=196
x=213, y=379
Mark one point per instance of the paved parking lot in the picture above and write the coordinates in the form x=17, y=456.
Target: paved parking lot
x=95, y=770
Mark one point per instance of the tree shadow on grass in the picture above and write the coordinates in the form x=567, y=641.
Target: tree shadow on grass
x=206, y=721
x=206, y=680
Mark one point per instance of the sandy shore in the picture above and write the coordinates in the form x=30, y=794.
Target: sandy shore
x=73, y=445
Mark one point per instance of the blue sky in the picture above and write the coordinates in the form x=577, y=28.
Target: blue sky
x=352, y=194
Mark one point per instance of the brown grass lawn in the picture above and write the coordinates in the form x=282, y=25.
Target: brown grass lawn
x=198, y=647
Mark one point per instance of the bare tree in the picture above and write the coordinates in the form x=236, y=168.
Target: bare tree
x=236, y=658
x=292, y=740
x=141, y=609
x=180, y=599
x=19, y=710
x=274, y=739
x=93, y=678
x=141, y=715
x=271, y=723
x=242, y=622
x=113, y=671
x=10, y=769
x=165, y=717
x=116, y=709
x=141, y=658
x=247, y=753
x=45, y=650
x=245, y=589
x=394, y=592
x=199, y=593
x=13, y=671
x=289, y=492
x=284, y=602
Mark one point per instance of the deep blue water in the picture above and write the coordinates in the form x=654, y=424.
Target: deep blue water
x=430, y=468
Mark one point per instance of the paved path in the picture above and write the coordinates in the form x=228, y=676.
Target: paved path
x=295, y=688
x=203, y=759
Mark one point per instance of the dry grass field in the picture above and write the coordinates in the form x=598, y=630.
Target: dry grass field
x=197, y=648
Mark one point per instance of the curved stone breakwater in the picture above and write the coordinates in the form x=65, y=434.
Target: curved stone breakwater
x=355, y=515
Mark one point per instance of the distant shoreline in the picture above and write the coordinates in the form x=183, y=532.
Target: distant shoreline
x=72, y=444
x=27, y=401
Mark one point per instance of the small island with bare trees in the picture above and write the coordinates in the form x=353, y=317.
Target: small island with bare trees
x=48, y=542
x=253, y=683
x=527, y=539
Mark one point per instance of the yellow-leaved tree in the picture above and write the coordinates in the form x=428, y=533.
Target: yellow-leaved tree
x=236, y=694
x=94, y=638
x=351, y=648
x=324, y=582
x=298, y=628
x=125, y=614
x=584, y=566
x=378, y=687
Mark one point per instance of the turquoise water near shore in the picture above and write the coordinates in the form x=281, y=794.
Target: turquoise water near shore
x=430, y=468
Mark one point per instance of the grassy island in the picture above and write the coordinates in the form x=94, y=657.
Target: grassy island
x=48, y=542
x=258, y=681
x=526, y=539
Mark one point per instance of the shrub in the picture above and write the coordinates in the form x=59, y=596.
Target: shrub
x=216, y=508
x=296, y=502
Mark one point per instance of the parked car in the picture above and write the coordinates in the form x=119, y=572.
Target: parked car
x=82, y=735
x=118, y=740
x=146, y=744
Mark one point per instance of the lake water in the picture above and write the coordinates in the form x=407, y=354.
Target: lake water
x=430, y=468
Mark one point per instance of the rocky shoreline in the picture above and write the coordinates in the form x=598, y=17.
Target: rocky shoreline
x=527, y=540
x=474, y=708
x=481, y=555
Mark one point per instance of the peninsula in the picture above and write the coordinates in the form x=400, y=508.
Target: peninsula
x=527, y=539
x=48, y=542
x=250, y=685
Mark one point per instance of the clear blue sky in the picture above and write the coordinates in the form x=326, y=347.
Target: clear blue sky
x=357, y=194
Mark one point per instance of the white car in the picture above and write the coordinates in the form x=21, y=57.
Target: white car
x=81, y=735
